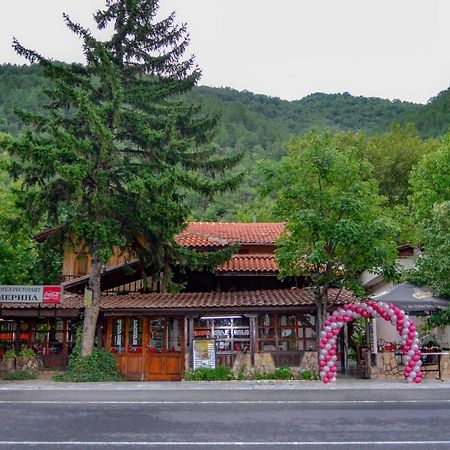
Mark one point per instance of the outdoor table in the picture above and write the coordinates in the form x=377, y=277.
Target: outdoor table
x=435, y=360
x=428, y=359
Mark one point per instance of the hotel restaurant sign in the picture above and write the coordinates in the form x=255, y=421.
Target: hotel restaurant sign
x=30, y=294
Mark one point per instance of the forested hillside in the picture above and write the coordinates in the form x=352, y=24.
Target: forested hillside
x=255, y=125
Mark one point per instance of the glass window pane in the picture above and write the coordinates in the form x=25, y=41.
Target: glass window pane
x=134, y=335
x=118, y=336
x=156, y=335
x=174, y=335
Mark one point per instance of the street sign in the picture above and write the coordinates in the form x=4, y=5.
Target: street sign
x=30, y=294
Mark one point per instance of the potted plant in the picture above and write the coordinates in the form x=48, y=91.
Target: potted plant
x=10, y=358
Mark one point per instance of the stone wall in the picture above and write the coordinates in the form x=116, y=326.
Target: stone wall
x=264, y=363
x=388, y=367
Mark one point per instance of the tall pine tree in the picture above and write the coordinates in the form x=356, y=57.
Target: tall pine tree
x=116, y=150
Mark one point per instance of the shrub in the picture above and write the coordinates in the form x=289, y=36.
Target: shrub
x=21, y=375
x=10, y=354
x=100, y=365
x=282, y=373
x=27, y=353
x=306, y=375
x=259, y=375
x=220, y=373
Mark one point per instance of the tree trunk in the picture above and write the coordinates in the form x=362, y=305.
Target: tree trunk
x=91, y=309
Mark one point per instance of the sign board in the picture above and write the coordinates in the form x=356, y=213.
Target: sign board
x=204, y=353
x=30, y=294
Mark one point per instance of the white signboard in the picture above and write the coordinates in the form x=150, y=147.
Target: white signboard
x=30, y=294
x=204, y=353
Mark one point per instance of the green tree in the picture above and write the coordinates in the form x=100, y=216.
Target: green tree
x=336, y=224
x=22, y=261
x=116, y=150
x=430, y=201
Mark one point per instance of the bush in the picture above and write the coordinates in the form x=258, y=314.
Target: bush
x=10, y=354
x=27, y=353
x=306, y=375
x=220, y=373
x=99, y=366
x=282, y=373
x=21, y=375
x=259, y=375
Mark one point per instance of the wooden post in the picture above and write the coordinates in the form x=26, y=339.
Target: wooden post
x=191, y=342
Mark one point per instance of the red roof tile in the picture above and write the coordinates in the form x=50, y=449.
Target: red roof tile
x=249, y=263
x=198, y=300
x=218, y=234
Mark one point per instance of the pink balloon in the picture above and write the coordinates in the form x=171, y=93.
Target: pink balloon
x=417, y=379
x=322, y=345
x=336, y=331
x=340, y=318
x=412, y=328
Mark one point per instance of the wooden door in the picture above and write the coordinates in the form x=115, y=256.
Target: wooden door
x=124, y=339
x=164, y=359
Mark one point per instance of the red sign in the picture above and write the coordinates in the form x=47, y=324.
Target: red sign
x=51, y=294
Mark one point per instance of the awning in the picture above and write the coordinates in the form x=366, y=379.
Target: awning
x=412, y=299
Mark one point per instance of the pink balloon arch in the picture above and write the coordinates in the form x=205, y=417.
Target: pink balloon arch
x=405, y=326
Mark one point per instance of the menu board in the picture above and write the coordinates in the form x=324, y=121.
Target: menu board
x=204, y=353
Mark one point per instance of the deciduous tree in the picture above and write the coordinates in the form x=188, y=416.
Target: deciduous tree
x=336, y=224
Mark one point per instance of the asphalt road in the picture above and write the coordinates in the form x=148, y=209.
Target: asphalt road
x=221, y=419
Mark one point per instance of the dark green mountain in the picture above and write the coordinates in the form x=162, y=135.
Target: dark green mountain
x=255, y=125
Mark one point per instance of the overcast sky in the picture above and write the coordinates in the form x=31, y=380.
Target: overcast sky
x=396, y=49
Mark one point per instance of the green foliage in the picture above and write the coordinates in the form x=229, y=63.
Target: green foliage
x=219, y=373
x=257, y=126
x=430, y=201
x=21, y=375
x=22, y=261
x=27, y=353
x=432, y=119
x=281, y=373
x=337, y=226
x=10, y=354
x=306, y=375
x=100, y=365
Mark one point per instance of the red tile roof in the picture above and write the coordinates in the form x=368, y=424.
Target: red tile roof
x=250, y=263
x=219, y=234
x=198, y=300
x=215, y=234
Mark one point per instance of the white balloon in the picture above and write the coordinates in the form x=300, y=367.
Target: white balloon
x=411, y=353
x=330, y=363
x=414, y=347
x=348, y=313
x=326, y=369
x=322, y=374
x=334, y=325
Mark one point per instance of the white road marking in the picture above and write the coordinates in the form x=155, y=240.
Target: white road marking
x=219, y=402
x=215, y=443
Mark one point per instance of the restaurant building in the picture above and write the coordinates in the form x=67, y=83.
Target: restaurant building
x=240, y=313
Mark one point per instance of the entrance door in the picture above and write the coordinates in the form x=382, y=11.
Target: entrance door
x=165, y=349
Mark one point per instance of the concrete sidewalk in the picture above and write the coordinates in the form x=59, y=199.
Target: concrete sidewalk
x=340, y=384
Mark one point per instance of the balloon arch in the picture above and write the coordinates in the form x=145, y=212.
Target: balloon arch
x=405, y=326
